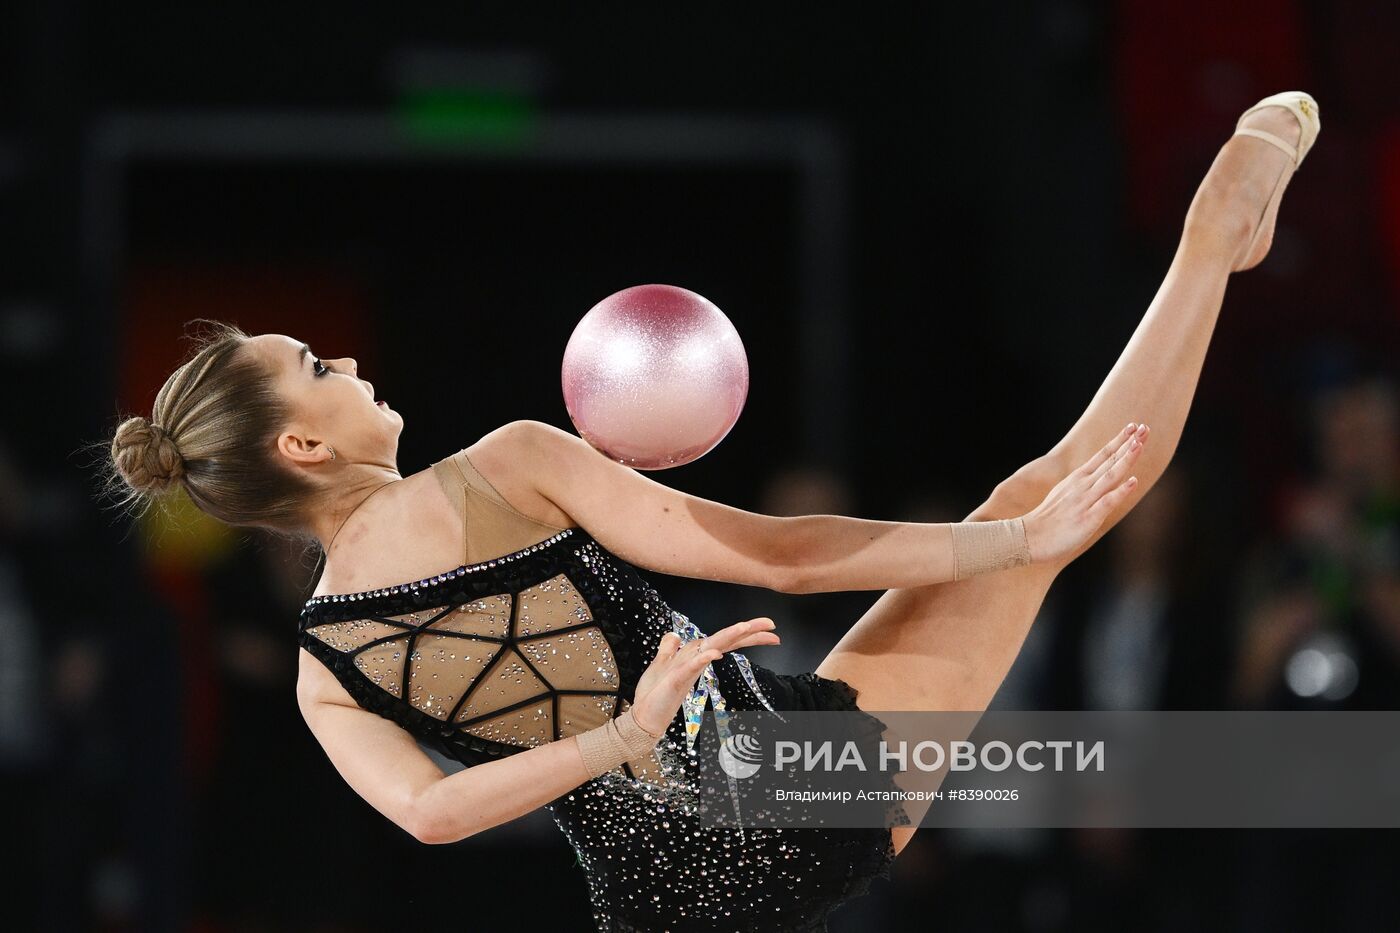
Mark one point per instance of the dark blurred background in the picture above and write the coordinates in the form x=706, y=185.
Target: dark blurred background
x=935, y=227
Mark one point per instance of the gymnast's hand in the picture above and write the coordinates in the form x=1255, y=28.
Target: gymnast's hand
x=1079, y=503
x=673, y=672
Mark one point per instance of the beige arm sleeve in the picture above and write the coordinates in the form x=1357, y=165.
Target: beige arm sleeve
x=982, y=547
x=615, y=741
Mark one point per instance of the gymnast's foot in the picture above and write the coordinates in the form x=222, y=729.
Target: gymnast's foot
x=1240, y=196
x=1272, y=163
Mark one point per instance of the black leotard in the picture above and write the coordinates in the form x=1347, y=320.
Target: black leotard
x=504, y=654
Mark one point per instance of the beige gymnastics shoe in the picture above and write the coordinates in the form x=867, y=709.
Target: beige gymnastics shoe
x=1304, y=108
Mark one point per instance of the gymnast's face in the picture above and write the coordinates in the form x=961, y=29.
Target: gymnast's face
x=330, y=405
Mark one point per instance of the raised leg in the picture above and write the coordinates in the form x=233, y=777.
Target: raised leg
x=948, y=646
x=1155, y=377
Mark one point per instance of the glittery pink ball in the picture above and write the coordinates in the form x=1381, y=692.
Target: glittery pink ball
x=655, y=376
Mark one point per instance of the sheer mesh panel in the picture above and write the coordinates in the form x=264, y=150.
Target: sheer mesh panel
x=383, y=664
x=443, y=668
x=551, y=605
x=577, y=660
x=488, y=617
x=417, y=617
x=495, y=665
x=526, y=727
x=347, y=636
x=581, y=713
x=509, y=680
x=468, y=666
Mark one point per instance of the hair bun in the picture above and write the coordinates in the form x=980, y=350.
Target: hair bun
x=147, y=456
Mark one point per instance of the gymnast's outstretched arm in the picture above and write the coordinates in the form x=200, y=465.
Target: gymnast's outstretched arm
x=659, y=528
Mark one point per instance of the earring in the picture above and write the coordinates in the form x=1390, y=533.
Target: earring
x=332, y=450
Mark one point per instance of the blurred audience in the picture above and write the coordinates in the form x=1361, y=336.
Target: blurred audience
x=1321, y=613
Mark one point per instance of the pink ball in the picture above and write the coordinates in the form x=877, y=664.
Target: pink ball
x=655, y=376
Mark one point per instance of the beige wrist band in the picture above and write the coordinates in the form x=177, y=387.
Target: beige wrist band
x=614, y=742
x=981, y=547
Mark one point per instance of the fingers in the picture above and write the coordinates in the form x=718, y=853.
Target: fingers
x=699, y=658
x=1092, y=465
x=1107, y=503
x=757, y=638
x=1112, y=470
x=752, y=632
x=668, y=645
x=699, y=652
x=690, y=663
x=756, y=632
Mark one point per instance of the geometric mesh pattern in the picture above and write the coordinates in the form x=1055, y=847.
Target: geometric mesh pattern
x=522, y=668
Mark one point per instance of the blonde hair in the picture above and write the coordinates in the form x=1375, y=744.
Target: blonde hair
x=212, y=433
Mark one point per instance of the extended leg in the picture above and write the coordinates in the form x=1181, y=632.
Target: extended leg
x=1155, y=377
x=948, y=646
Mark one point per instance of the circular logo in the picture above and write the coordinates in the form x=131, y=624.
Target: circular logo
x=740, y=756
